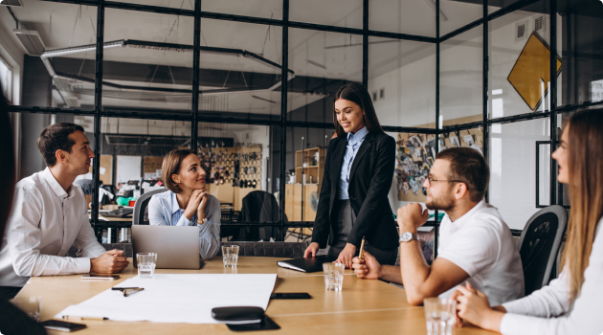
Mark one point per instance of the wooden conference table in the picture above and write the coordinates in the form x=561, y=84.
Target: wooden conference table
x=362, y=307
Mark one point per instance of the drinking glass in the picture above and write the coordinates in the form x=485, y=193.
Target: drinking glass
x=333, y=275
x=230, y=255
x=146, y=262
x=439, y=315
x=32, y=306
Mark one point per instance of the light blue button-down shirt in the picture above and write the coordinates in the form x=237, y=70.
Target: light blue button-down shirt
x=165, y=211
x=354, y=143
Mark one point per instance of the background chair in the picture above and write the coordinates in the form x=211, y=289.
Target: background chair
x=258, y=206
x=269, y=249
x=140, y=216
x=539, y=245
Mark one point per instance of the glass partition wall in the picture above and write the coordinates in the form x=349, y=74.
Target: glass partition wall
x=250, y=89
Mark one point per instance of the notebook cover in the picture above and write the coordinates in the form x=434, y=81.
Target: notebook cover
x=307, y=265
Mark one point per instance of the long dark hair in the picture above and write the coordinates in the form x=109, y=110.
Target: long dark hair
x=359, y=95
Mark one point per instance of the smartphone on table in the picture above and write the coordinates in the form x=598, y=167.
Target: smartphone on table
x=63, y=326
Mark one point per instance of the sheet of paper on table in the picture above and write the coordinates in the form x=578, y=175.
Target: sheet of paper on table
x=177, y=298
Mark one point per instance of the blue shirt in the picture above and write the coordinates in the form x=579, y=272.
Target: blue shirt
x=165, y=211
x=354, y=143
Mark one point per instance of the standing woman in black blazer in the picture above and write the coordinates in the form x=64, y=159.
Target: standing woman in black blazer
x=358, y=174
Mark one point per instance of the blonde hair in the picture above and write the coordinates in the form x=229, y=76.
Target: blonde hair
x=586, y=192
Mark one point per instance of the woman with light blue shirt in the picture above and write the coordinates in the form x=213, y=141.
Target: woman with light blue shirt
x=187, y=203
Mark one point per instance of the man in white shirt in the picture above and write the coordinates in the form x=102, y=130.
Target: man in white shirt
x=49, y=216
x=475, y=243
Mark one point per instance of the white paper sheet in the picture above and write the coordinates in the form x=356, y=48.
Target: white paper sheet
x=177, y=298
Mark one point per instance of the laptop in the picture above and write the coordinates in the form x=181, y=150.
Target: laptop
x=176, y=247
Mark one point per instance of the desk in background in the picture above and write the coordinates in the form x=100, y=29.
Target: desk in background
x=363, y=307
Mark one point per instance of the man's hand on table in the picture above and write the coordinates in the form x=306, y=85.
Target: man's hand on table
x=112, y=261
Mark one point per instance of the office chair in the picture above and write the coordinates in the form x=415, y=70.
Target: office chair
x=539, y=244
x=138, y=218
x=269, y=249
x=258, y=206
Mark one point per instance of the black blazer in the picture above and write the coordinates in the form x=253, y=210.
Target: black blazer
x=370, y=181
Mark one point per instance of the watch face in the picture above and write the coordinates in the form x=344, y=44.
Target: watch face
x=406, y=237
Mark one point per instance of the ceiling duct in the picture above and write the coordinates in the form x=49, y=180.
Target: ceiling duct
x=14, y=3
x=31, y=41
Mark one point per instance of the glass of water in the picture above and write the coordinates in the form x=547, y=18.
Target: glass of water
x=230, y=255
x=440, y=315
x=146, y=262
x=333, y=273
x=32, y=306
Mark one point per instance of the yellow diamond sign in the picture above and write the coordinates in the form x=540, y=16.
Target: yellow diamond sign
x=531, y=70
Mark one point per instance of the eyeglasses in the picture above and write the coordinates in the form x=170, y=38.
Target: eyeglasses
x=429, y=181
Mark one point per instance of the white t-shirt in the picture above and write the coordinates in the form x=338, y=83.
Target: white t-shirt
x=481, y=243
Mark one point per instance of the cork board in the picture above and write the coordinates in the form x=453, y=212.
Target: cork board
x=152, y=167
x=106, y=169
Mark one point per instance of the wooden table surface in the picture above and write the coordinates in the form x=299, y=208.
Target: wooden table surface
x=362, y=307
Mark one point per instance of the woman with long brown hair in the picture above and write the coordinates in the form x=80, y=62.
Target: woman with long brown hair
x=578, y=292
x=358, y=174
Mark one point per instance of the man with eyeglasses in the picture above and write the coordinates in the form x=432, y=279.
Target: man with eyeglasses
x=475, y=245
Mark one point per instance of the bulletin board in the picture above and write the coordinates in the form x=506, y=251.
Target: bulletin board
x=415, y=155
x=152, y=167
x=106, y=169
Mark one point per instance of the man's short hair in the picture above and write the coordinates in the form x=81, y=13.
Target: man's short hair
x=56, y=137
x=171, y=165
x=469, y=166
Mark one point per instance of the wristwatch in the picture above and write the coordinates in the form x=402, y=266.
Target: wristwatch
x=408, y=236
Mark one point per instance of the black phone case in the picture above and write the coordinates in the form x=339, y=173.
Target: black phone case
x=275, y=296
x=237, y=313
x=266, y=324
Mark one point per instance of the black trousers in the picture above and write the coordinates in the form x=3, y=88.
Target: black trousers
x=345, y=217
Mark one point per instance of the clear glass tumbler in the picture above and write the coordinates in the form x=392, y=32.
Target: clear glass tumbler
x=439, y=315
x=333, y=273
x=230, y=255
x=146, y=262
x=32, y=306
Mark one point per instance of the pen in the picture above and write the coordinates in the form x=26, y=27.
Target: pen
x=84, y=318
x=129, y=292
x=361, y=248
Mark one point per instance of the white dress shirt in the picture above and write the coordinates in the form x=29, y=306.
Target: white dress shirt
x=480, y=243
x=45, y=222
x=549, y=310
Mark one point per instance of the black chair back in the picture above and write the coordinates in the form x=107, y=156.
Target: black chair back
x=140, y=207
x=269, y=249
x=539, y=245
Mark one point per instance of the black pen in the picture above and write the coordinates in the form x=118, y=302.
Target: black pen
x=131, y=291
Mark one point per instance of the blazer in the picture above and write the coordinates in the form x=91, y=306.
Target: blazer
x=370, y=181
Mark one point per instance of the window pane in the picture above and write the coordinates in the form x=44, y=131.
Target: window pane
x=240, y=69
x=415, y=17
x=402, y=82
x=53, y=74
x=578, y=39
x=328, y=12
x=455, y=14
x=151, y=65
x=322, y=62
x=270, y=9
x=512, y=159
x=461, y=78
x=519, y=59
